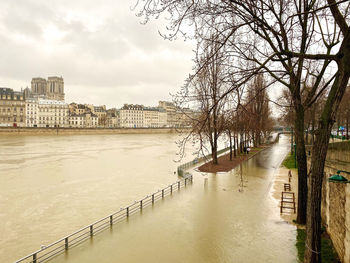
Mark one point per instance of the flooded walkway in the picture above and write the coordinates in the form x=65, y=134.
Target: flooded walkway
x=47, y=194
x=214, y=220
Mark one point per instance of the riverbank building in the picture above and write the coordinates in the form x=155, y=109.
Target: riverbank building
x=12, y=108
x=52, y=113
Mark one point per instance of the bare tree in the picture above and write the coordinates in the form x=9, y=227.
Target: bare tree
x=297, y=43
x=258, y=108
x=205, y=91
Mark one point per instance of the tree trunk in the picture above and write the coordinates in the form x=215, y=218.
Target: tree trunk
x=234, y=145
x=302, y=164
x=229, y=135
x=307, y=134
x=214, y=155
x=313, y=131
x=241, y=144
x=313, y=116
x=313, y=229
x=215, y=148
x=319, y=153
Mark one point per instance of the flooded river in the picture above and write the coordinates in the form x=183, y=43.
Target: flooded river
x=52, y=186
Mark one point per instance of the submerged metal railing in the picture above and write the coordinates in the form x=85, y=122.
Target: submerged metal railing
x=181, y=169
x=48, y=252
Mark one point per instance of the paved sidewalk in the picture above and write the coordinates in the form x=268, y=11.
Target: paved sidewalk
x=281, y=177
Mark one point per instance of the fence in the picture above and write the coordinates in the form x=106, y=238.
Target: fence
x=48, y=252
x=181, y=169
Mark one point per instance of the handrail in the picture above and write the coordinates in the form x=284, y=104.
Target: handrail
x=181, y=168
x=63, y=244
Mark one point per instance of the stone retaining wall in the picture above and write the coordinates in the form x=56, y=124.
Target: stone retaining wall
x=335, y=208
x=82, y=131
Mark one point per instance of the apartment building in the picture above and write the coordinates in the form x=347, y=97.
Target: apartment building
x=78, y=109
x=12, y=108
x=112, y=119
x=31, y=111
x=170, y=110
x=101, y=113
x=154, y=117
x=131, y=116
x=86, y=120
x=52, y=113
x=176, y=116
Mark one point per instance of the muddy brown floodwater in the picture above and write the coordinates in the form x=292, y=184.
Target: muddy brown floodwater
x=52, y=186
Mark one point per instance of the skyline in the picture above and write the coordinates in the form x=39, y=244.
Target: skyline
x=101, y=50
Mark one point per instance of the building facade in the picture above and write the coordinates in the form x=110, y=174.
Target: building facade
x=184, y=118
x=101, y=113
x=177, y=117
x=139, y=116
x=170, y=110
x=31, y=110
x=12, y=108
x=154, y=117
x=87, y=120
x=53, y=113
x=131, y=116
x=78, y=109
x=112, y=118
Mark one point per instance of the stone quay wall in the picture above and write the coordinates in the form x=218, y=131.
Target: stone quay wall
x=8, y=131
x=335, y=201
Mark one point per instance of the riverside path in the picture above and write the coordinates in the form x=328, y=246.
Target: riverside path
x=224, y=217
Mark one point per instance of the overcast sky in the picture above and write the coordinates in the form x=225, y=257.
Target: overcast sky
x=99, y=47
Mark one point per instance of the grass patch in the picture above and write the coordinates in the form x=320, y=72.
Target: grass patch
x=289, y=161
x=328, y=253
x=301, y=237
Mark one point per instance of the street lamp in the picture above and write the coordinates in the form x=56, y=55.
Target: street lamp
x=337, y=178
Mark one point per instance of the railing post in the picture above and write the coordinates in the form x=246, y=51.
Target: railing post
x=127, y=212
x=185, y=180
x=152, y=198
x=111, y=219
x=66, y=243
x=178, y=185
x=162, y=193
x=91, y=230
x=34, y=258
x=171, y=188
x=141, y=204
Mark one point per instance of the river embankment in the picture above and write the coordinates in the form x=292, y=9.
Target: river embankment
x=225, y=164
x=83, y=131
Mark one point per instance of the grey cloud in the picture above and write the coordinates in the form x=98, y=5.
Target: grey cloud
x=117, y=61
x=24, y=17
